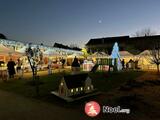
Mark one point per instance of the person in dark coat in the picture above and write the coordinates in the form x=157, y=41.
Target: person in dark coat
x=75, y=62
x=11, y=69
x=123, y=64
x=63, y=62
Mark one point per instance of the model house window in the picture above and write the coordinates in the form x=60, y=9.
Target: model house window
x=91, y=86
x=88, y=87
x=76, y=89
x=61, y=83
x=81, y=88
x=71, y=90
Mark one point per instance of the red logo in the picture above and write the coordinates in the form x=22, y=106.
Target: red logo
x=92, y=108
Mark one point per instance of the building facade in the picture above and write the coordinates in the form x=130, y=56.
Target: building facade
x=134, y=45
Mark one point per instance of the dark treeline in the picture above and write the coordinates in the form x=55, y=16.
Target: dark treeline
x=58, y=45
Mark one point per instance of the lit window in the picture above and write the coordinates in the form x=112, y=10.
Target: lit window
x=76, y=89
x=61, y=83
x=71, y=90
x=81, y=88
x=88, y=87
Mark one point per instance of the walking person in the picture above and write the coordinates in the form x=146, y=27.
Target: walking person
x=19, y=68
x=11, y=69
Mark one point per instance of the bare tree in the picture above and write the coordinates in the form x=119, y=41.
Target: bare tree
x=144, y=32
x=155, y=56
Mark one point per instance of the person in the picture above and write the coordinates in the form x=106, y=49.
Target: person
x=63, y=62
x=11, y=69
x=19, y=68
x=49, y=67
x=123, y=64
x=131, y=64
x=75, y=65
x=75, y=62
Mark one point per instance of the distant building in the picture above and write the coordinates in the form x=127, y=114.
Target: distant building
x=72, y=85
x=131, y=44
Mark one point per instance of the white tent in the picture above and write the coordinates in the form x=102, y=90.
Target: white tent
x=22, y=50
x=125, y=54
x=51, y=52
x=6, y=53
x=4, y=50
x=145, y=60
x=99, y=55
x=145, y=52
x=75, y=54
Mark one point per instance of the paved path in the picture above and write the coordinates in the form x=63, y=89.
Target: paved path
x=15, y=107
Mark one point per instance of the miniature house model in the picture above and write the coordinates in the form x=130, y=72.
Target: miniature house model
x=77, y=84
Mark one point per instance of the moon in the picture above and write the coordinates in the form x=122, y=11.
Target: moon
x=99, y=21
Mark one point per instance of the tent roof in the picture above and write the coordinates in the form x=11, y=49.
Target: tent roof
x=145, y=52
x=99, y=54
x=125, y=53
x=4, y=50
x=22, y=50
x=75, y=54
x=51, y=52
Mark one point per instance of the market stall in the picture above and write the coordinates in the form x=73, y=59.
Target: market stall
x=70, y=58
x=144, y=60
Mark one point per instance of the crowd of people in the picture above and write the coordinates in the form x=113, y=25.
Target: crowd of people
x=11, y=68
x=131, y=64
x=16, y=67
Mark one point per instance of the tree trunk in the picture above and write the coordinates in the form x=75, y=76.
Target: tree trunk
x=158, y=68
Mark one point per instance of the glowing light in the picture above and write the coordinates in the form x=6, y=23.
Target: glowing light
x=81, y=88
x=88, y=87
x=115, y=55
x=76, y=89
x=71, y=90
x=62, y=84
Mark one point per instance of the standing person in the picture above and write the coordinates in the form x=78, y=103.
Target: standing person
x=11, y=69
x=75, y=62
x=19, y=68
x=49, y=67
x=123, y=64
x=63, y=62
x=75, y=65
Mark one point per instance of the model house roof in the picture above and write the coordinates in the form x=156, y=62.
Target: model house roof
x=74, y=81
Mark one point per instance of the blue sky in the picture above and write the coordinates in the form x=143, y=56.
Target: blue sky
x=76, y=21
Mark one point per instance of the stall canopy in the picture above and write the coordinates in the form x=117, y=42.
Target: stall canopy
x=144, y=53
x=51, y=52
x=145, y=60
x=125, y=54
x=22, y=50
x=99, y=55
x=5, y=51
x=75, y=54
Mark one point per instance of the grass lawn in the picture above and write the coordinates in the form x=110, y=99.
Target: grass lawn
x=102, y=81
x=105, y=83
x=142, y=99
